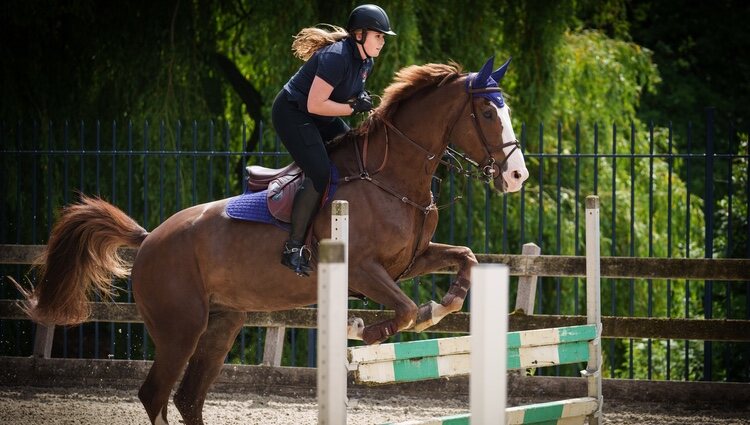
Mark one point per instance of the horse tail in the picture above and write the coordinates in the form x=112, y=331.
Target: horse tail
x=81, y=258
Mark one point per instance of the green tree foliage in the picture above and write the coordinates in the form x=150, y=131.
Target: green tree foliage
x=697, y=51
x=108, y=61
x=534, y=31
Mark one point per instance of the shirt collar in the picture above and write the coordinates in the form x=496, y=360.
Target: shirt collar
x=353, y=46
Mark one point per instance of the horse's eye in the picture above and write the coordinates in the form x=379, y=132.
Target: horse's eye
x=488, y=114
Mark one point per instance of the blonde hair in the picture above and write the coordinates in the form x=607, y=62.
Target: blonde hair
x=310, y=39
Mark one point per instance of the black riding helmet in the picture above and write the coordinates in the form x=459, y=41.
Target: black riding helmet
x=369, y=17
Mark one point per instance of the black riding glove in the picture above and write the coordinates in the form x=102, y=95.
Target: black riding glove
x=362, y=103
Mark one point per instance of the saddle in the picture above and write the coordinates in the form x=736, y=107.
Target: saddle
x=282, y=184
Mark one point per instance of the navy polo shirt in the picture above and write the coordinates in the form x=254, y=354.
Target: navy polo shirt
x=339, y=64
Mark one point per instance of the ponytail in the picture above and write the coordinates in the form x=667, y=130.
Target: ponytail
x=310, y=39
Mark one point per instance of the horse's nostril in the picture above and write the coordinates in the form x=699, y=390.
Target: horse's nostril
x=516, y=175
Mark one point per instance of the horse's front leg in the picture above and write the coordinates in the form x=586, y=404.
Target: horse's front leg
x=373, y=281
x=435, y=257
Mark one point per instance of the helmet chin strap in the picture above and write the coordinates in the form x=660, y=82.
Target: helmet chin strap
x=362, y=42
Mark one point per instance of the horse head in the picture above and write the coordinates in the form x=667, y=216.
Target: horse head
x=485, y=133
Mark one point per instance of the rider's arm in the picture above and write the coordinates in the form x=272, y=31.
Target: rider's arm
x=319, y=102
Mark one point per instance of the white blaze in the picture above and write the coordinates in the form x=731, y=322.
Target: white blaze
x=516, y=172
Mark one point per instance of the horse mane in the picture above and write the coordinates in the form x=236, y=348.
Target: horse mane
x=410, y=80
x=407, y=82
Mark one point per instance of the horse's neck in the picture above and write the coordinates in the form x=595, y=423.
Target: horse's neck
x=410, y=154
x=425, y=120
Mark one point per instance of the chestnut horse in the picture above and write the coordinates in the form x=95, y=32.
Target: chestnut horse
x=196, y=274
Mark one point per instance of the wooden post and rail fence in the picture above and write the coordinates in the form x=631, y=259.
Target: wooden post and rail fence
x=529, y=265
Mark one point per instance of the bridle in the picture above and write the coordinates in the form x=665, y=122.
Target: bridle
x=485, y=171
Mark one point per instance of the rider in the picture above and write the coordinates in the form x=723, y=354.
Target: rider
x=330, y=84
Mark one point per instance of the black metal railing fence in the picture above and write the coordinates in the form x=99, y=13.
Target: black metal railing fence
x=665, y=192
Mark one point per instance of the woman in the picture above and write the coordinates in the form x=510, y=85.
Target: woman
x=306, y=112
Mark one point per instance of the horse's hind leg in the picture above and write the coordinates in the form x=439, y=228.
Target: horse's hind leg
x=175, y=338
x=206, y=363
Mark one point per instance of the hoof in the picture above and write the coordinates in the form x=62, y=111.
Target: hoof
x=354, y=328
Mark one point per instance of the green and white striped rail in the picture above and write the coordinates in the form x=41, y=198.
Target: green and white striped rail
x=561, y=412
x=444, y=357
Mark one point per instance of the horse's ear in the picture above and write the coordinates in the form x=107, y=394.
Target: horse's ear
x=500, y=72
x=484, y=74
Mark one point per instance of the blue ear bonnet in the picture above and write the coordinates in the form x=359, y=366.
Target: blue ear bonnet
x=495, y=97
x=488, y=78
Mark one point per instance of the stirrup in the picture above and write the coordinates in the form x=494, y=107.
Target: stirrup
x=295, y=258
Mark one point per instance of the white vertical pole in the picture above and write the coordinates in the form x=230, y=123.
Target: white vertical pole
x=593, y=371
x=489, y=345
x=340, y=225
x=332, y=298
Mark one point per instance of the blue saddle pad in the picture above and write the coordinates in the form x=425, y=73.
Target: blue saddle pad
x=253, y=206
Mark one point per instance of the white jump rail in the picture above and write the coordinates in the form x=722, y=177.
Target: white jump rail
x=446, y=357
x=418, y=360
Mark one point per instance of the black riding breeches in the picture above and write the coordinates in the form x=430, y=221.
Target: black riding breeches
x=303, y=135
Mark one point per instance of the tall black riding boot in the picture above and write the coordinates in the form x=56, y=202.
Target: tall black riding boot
x=296, y=255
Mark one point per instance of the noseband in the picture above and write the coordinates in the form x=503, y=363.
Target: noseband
x=487, y=168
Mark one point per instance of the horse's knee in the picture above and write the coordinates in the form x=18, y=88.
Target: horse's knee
x=406, y=316
x=469, y=258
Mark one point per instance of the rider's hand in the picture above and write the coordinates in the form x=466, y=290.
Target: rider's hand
x=362, y=103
